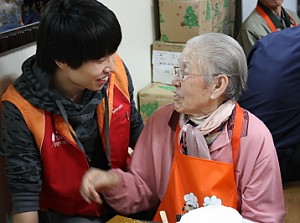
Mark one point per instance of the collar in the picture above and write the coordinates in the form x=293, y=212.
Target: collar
x=224, y=137
x=174, y=120
x=274, y=19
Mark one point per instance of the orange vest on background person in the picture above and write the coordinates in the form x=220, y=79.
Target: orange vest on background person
x=268, y=20
x=63, y=162
x=201, y=177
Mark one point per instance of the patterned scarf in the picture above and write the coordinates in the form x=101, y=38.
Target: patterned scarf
x=197, y=132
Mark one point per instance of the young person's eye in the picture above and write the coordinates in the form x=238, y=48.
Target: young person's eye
x=101, y=60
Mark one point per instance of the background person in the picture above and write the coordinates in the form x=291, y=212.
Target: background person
x=203, y=144
x=272, y=89
x=71, y=109
x=10, y=14
x=268, y=16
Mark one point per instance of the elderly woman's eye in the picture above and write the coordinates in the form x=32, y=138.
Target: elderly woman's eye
x=185, y=75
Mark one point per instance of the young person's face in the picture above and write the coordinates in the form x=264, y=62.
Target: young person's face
x=92, y=75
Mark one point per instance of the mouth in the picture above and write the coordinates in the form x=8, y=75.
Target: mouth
x=176, y=96
x=102, y=81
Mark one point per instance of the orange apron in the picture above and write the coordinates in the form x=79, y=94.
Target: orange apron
x=269, y=22
x=202, y=177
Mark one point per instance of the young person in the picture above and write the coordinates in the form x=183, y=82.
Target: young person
x=71, y=109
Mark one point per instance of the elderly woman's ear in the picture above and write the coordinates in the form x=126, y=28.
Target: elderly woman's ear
x=220, y=84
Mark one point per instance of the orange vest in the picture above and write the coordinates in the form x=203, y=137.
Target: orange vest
x=269, y=22
x=200, y=178
x=63, y=162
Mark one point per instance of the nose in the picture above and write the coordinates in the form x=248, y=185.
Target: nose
x=110, y=63
x=111, y=59
x=176, y=81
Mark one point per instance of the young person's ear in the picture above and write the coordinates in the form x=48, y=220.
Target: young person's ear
x=219, y=86
x=61, y=65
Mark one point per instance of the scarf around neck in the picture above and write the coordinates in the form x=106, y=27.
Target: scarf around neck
x=194, y=134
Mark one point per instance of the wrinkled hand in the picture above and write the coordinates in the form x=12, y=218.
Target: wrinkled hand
x=95, y=181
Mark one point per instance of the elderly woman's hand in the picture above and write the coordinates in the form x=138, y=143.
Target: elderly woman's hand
x=95, y=181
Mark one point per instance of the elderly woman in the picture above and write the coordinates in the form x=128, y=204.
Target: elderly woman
x=204, y=144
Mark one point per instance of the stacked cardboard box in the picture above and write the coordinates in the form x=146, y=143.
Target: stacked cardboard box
x=164, y=58
x=122, y=219
x=181, y=20
x=154, y=96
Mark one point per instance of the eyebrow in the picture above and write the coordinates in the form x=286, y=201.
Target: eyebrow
x=185, y=63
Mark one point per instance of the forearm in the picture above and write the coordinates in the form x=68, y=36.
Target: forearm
x=23, y=166
x=132, y=195
x=262, y=200
x=26, y=217
x=145, y=183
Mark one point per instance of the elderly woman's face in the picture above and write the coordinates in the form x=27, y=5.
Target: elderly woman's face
x=192, y=94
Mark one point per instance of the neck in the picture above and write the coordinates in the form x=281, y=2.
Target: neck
x=209, y=109
x=75, y=97
x=277, y=11
x=274, y=7
x=67, y=88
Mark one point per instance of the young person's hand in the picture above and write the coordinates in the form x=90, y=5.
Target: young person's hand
x=95, y=181
x=31, y=216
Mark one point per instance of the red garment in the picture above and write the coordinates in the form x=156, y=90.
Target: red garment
x=63, y=161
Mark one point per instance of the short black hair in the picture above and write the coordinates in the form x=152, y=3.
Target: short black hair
x=76, y=31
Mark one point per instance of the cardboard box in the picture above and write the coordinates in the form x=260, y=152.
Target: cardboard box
x=164, y=58
x=154, y=96
x=122, y=219
x=180, y=20
x=223, y=18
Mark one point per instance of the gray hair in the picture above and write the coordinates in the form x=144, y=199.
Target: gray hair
x=217, y=53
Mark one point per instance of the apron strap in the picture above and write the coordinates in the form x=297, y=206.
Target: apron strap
x=237, y=132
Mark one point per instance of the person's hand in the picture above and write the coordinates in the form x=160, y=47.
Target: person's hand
x=95, y=181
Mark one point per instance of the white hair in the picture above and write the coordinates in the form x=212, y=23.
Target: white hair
x=217, y=53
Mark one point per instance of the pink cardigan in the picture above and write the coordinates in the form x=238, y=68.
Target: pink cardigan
x=257, y=171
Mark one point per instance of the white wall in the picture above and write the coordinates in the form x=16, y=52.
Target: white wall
x=137, y=21
x=249, y=5
x=10, y=63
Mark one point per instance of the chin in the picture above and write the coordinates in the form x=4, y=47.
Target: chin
x=178, y=108
x=97, y=88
